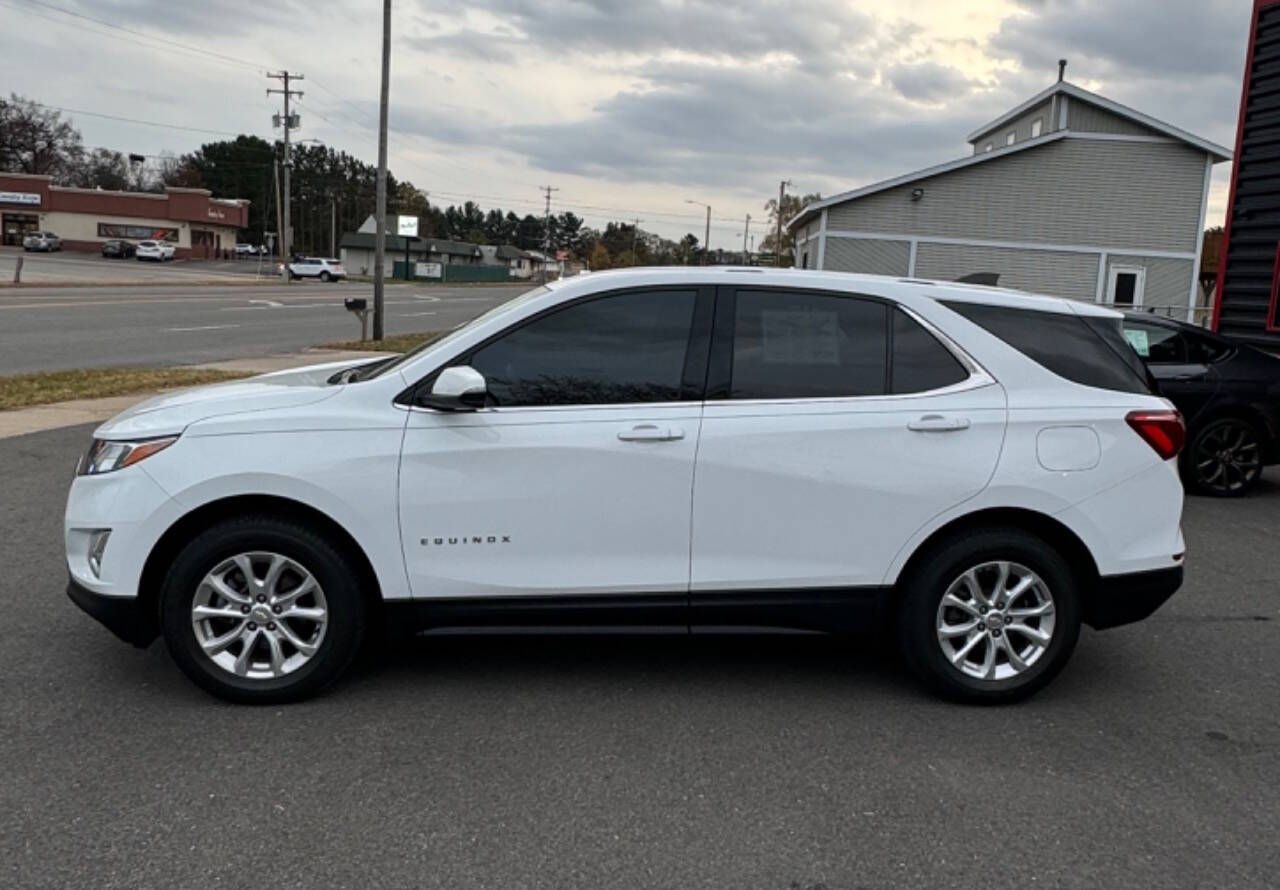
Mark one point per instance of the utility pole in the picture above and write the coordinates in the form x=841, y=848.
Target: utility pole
x=380, y=211
x=706, y=240
x=635, y=233
x=777, y=241
x=289, y=121
x=746, y=257
x=333, y=227
x=546, y=230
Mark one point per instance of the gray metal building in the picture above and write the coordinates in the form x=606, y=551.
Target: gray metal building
x=1068, y=194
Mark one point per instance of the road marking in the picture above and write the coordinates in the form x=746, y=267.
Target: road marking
x=204, y=327
x=267, y=302
x=415, y=314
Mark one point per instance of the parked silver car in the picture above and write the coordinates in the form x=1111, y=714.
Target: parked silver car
x=45, y=241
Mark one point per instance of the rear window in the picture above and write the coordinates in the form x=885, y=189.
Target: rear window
x=1089, y=350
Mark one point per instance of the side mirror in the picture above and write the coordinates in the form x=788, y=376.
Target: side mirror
x=460, y=388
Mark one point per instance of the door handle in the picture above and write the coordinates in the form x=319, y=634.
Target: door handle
x=936, y=423
x=649, y=432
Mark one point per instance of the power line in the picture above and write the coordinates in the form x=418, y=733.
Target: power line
x=173, y=43
x=133, y=120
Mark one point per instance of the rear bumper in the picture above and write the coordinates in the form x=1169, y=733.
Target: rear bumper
x=1124, y=599
x=124, y=616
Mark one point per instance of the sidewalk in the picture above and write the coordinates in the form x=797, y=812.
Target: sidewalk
x=77, y=411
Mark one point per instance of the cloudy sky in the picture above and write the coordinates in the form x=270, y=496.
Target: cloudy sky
x=629, y=107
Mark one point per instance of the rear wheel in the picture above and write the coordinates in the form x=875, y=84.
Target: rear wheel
x=989, y=616
x=1224, y=458
x=262, y=610
x=326, y=277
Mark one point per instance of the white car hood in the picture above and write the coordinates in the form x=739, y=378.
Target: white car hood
x=172, y=412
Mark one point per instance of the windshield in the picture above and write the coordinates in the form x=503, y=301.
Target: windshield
x=377, y=370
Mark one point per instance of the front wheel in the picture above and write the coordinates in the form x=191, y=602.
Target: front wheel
x=1224, y=458
x=262, y=610
x=989, y=616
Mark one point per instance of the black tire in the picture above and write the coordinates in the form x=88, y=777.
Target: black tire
x=330, y=567
x=922, y=592
x=1223, y=458
x=326, y=277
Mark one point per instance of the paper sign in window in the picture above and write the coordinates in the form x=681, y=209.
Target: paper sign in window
x=1139, y=341
x=800, y=338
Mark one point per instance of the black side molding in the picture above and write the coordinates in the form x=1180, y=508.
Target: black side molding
x=1124, y=599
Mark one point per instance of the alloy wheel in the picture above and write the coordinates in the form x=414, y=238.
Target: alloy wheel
x=259, y=615
x=995, y=620
x=1228, y=457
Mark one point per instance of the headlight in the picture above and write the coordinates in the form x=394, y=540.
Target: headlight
x=106, y=455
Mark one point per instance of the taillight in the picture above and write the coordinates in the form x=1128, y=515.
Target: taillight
x=1164, y=431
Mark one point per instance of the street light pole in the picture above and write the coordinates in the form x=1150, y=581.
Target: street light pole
x=746, y=257
x=706, y=241
x=380, y=204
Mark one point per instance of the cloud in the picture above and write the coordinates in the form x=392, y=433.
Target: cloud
x=928, y=81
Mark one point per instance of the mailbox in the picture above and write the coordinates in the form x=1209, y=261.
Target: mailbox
x=356, y=304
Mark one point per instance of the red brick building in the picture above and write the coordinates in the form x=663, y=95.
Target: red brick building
x=195, y=222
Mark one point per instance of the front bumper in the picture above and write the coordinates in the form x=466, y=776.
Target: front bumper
x=125, y=616
x=1124, y=599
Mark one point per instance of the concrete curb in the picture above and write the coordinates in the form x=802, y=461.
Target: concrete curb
x=77, y=411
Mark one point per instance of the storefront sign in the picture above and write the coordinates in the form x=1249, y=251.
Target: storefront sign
x=137, y=233
x=20, y=198
x=215, y=213
x=407, y=226
x=428, y=270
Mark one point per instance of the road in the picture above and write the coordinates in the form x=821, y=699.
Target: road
x=49, y=328
x=88, y=268
x=787, y=762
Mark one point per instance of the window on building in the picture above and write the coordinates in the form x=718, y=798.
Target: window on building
x=1037, y=127
x=1011, y=138
x=789, y=345
x=988, y=147
x=615, y=349
x=136, y=233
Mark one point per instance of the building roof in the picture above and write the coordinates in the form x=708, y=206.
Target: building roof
x=368, y=241
x=509, y=252
x=1066, y=88
x=1215, y=151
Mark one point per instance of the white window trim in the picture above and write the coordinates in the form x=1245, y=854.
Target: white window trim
x=1195, y=265
x=820, y=262
x=1139, y=289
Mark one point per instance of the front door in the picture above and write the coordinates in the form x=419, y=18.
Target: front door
x=836, y=426
x=578, y=478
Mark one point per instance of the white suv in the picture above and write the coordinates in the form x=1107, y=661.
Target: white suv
x=317, y=267
x=979, y=469
x=42, y=241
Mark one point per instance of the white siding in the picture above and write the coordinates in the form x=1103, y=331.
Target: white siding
x=870, y=256
x=1115, y=195
x=1057, y=273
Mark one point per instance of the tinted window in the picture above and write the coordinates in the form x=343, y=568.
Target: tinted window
x=616, y=349
x=1156, y=344
x=920, y=362
x=798, y=345
x=1088, y=350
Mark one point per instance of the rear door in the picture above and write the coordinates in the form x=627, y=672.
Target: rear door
x=1182, y=368
x=836, y=426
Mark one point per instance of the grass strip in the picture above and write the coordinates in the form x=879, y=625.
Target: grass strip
x=46, y=387
x=396, y=343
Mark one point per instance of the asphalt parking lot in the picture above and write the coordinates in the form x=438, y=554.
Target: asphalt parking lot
x=794, y=762
x=79, y=267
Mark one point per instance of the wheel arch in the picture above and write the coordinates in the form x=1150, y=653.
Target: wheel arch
x=1053, y=532
x=185, y=527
